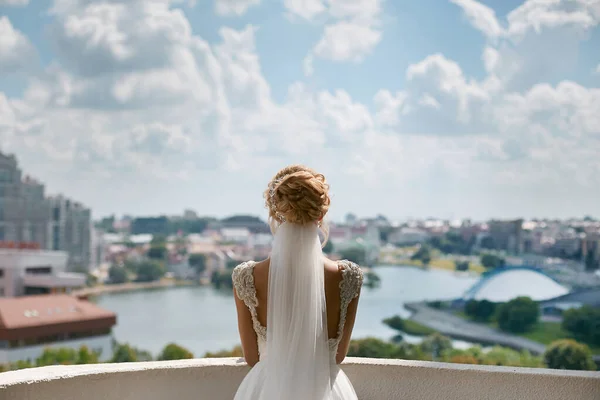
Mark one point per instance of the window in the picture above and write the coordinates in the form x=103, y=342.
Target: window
x=1, y=275
x=56, y=237
x=4, y=175
x=38, y=270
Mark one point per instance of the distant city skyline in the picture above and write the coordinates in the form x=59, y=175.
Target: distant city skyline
x=450, y=109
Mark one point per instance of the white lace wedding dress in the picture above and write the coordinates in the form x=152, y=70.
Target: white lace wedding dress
x=252, y=385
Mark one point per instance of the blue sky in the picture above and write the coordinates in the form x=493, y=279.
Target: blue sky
x=412, y=109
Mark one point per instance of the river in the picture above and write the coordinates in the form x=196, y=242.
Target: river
x=203, y=319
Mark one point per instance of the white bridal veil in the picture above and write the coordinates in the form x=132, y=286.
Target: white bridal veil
x=297, y=354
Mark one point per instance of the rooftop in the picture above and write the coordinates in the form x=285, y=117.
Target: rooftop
x=28, y=316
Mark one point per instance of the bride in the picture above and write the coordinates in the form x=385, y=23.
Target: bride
x=296, y=309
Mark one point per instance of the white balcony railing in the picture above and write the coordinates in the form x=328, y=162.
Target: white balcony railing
x=373, y=379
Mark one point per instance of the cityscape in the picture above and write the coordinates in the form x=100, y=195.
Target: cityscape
x=57, y=265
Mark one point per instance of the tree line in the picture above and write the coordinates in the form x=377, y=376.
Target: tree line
x=122, y=352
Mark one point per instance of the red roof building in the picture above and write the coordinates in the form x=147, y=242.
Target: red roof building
x=31, y=323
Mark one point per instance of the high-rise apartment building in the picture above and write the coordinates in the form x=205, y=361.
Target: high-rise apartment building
x=27, y=215
x=70, y=225
x=24, y=210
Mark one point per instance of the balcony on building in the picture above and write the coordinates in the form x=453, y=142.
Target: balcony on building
x=373, y=379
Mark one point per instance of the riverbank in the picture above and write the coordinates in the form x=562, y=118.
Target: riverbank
x=438, y=263
x=457, y=328
x=130, y=287
x=544, y=332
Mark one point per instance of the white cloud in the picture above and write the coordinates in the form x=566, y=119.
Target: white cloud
x=536, y=15
x=16, y=52
x=362, y=10
x=307, y=65
x=441, y=98
x=389, y=108
x=481, y=16
x=532, y=16
x=15, y=3
x=540, y=40
x=347, y=41
x=307, y=9
x=490, y=59
x=352, y=29
x=234, y=7
x=136, y=101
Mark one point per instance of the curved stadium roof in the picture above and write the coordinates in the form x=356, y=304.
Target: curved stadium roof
x=507, y=283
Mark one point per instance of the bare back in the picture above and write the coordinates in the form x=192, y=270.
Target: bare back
x=343, y=281
x=333, y=277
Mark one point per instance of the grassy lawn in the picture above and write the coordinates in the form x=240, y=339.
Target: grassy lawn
x=416, y=329
x=546, y=332
x=543, y=332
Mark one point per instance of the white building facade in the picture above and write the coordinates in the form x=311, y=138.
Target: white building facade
x=28, y=271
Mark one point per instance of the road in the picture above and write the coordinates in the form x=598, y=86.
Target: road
x=457, y=328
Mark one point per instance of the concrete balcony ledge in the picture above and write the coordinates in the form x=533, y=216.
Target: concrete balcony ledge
x=373, y=379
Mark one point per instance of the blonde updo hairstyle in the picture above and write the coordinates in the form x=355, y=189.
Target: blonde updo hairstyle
x=298, y=195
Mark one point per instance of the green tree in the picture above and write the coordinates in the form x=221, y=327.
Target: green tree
x=373, y=348
x=124, y=353
x=85, y=356
x=482, y=310
x=436, y=345
x=90, y=280
x=198, y=262
x=452, y=243
x=328, y=248
x=131, y=266
x=222, y=279
x=461, y=265
x=158, y=240
x=492, y=261
x=157, y=252
x=173, y=351
x=583, y=323
x=396, y=322
x=569, y=354
x=356, y=254
x=235, y=352
x=57, y=356
x=518, y=315
x=423, y=255
x=150, y=271
x=372, y=280
x=22, y=364
x=117, y=274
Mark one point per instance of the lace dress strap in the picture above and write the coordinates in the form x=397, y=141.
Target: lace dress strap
x=243, y=282
x=352, y=280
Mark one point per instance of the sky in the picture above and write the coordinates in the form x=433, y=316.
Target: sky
x=441, y=108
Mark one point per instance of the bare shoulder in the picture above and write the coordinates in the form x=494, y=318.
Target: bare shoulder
x=333, y=271
x=261, y=270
